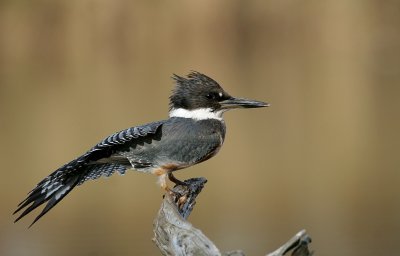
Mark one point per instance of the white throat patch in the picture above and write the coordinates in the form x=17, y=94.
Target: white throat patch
x=197, y=114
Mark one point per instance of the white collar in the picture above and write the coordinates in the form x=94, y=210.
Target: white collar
x=197, y=114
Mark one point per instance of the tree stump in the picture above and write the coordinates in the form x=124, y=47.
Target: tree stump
x=174, y=235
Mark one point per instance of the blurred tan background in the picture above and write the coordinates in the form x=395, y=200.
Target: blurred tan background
x=324, y=156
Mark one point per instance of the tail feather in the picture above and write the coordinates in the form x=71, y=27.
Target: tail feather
x=57, y=185
x=31, y=198
x=56, y=197
x=52, y=190
x=29, y=209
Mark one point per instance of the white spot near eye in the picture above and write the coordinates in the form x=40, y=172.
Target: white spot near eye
x=220, y=94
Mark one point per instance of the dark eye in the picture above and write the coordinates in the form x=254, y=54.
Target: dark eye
x=214, y=96
x=211, y=96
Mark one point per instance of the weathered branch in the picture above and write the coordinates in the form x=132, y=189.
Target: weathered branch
x=174, y=235
x=298, y=243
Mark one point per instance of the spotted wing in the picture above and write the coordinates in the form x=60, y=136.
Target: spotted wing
x=57, y=185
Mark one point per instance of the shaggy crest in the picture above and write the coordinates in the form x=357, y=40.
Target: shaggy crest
x=193, y=87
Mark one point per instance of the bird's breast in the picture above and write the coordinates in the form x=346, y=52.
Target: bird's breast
x=188, y=141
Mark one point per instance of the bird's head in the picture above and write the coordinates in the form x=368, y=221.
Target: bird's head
x=200, y=97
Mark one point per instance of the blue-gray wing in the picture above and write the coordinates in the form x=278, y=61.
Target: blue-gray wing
x=101, y=160
x=90, y=165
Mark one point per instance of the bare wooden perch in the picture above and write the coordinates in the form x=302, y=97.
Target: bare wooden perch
x=174, y=235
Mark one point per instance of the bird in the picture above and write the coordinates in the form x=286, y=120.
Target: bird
x=193, y=133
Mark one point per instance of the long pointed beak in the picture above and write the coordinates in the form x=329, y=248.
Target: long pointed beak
x=242, y=103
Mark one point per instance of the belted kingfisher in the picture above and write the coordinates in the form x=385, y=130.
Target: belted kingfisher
x=193, y=133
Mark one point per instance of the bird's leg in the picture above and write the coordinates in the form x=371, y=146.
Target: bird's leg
x=162, y=181
x=172, y=178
